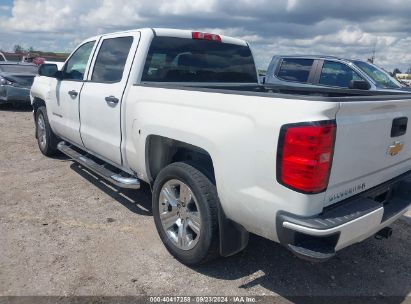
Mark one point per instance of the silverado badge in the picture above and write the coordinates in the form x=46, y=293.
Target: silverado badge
x=395, y=148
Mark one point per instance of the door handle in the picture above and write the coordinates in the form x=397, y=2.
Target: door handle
x=73, y=93
x=111, y=99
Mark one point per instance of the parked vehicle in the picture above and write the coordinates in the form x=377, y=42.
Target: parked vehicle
x=225, y=156
x=329, y=72
x=2, y=57
x=33, y=59
x=15, y=82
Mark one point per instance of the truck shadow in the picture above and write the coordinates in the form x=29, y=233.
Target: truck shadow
x=138, y=201
x=371, y=271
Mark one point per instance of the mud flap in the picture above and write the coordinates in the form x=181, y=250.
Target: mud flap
x=233, y=237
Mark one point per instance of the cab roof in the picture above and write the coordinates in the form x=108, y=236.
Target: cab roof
x=317, y=57
x=178, y=33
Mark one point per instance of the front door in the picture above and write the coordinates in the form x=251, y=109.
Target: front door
x=66, y=93
x=101, y=96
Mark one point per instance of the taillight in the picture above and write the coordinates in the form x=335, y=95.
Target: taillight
x=305, y=153
x=206, y=36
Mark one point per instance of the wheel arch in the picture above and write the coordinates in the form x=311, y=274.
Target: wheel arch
x=37, y=103
x=162, y=151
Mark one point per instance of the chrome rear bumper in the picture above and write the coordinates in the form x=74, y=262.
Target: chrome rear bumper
x=317, y=238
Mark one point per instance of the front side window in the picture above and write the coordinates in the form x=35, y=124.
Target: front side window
x=173, y=59
x=381, y=78
x=295, y=69
x=76, y=65
x=111, y=59
x=337, y=74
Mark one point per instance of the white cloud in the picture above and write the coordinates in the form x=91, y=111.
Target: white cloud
x=184, y=7
x=4, y=8
x=291, y=4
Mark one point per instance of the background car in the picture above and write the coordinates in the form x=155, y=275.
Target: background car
x=329, y=72
x=16, y=79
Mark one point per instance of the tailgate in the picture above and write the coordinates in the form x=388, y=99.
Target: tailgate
x=371, y=146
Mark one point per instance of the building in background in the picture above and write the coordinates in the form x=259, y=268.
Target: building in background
x=404, y=78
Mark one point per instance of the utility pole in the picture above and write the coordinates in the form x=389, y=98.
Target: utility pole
x=372, y=59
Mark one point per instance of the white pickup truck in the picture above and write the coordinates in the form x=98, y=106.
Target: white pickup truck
x=224, y=155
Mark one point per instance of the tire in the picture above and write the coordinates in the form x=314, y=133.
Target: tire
x=46, y=139
x=198, y=211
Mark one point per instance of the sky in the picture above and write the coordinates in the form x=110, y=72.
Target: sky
x=346, y=28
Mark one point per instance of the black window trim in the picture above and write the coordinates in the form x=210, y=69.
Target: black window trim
x=320, y=67
x=92, y=64
x=96, y=41
x=311, y=75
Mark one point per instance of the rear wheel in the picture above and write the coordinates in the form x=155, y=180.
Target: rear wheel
x=46, y=139
x=185, y=213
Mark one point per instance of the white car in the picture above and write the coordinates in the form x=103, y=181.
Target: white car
x=225, y=156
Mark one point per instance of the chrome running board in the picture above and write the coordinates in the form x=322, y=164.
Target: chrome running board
x=122, y=180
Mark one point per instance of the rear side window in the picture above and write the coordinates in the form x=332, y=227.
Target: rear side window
x=173, y=59
x=295, y=69
x=337, y=74
x=111, y=59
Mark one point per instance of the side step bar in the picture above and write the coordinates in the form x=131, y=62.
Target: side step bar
x=117, y=179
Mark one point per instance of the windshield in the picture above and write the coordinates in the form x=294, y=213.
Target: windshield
x=190, y=60
x=381, y=78
x=18, y=69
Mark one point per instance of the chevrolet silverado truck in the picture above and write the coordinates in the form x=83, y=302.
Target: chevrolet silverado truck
x=224, y=155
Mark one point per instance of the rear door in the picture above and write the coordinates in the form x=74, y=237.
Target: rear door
x=297, y=70
x=373, y=145
x=102, y=94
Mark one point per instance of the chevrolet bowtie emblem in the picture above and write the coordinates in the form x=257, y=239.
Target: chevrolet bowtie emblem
x=395, y=148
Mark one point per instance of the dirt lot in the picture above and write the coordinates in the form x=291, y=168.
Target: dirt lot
x=64, y=232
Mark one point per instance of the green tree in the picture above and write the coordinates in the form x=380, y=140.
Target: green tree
x=396, y=71
x=18, y=48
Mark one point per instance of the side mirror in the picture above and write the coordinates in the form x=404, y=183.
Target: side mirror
x=359, y=85
x=48, y=70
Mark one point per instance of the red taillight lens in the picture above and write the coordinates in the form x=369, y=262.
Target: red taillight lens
x=206, y=36
x=305, y=154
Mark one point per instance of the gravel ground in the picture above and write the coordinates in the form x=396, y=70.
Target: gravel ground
x=64, y=232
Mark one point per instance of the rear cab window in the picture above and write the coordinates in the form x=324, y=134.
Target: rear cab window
x=337, y=74
x=173, y=59
x=295, y=69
